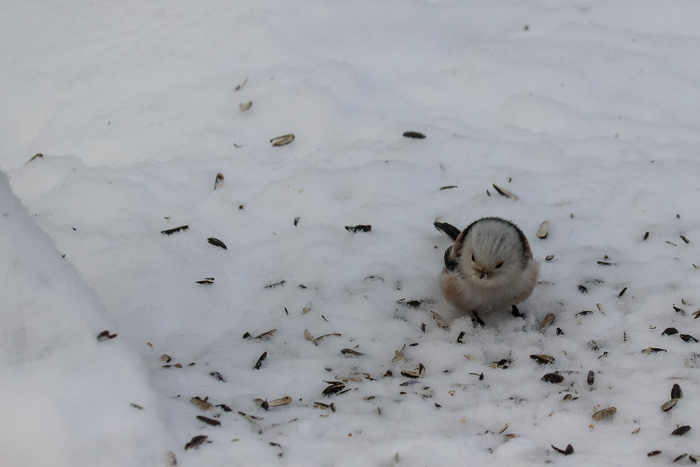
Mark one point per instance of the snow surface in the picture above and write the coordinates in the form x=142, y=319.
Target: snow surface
x=587, y=111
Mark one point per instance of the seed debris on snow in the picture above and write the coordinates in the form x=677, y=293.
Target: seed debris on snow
x=216, y=242
x=282, y=140
x=504, y=192
x=174, y=230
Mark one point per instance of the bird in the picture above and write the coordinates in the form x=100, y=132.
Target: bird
x=489, y=267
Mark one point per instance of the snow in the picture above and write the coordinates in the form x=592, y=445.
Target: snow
x=587, y=111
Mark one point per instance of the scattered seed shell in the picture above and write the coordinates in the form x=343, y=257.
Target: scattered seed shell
x=549, y=258
x=681, y=430
x=202, y=404
x=694, y=458
x=258, y=364
x=440, y=321
x=676, y=392
x=217, y=242
x=553, y=378
x=649, y=350
x=543, y=231
x=281, y=401
x=208, y=421
x=351, y=353
x=196, y=441
x=217, y=376
x=590, y=379
x=622, y=292
x=669, y=332
x=206, y=281
x=275, y=285
x=653, y=453
x=685, y=239
x=504, y=192
x=245, y=106
x=358, y=228
x=646, y=235
x=669, y=405
x=547, y=321
x=681, y=457
x=687, y=338
x=605, y=413
x=567, y=452
x=460, y=337
x=105, y=335
x=165, y=358
x=266, y=335
x=282, y=140
x=504, y=428
x=334, y=388
x=219, y=180
x=309, y=337
x=176, y=229
x=696, y=314
x=543, y=359
x=414, y=134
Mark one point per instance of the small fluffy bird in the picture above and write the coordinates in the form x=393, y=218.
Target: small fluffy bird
x=489, y=267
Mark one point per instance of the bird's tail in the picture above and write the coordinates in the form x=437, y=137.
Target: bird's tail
x=448, y=229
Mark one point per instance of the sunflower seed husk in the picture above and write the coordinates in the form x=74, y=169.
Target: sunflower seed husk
x=448, y=187
x=504, y=428
x=217, y=242
x=543, y=359
x=590, y=379
x=681, y=430
x=202, y=404
x=217, y=376
x=605, y=413
x=622, y=292
x=696, y=314
x=196, y=441
x=258, y=364
x=245, y=106
x=504, y=192
x=547, y=321
x=669, y=405
x=332, y=334
x=219, y=180
x=334, y=388
x=460, y=337
x=206, y=281
x=282, y=140
x=105, y=335
x=681, y=457
x=553, y=378
x=582, y=289
x=266, y=335
x=176, y=229
x=208, y=421
x=649, y=350
x=543, y=231
x=35, y=156
x=687, y=338
x=309, y=337
x=549, y=258
x=440, y=321
x=669, y=332
x=685, y=239
x=275, y=285
x=166, y=358
x=680, y=311
x=676, y=392
x=398, y=356
x=694, y=458
x=646, y=235
x=281, y=401
x=351, y=353
x=503, y=363
x=567, y=452
x=653, y=453
x=414, y=134
x=358, y=228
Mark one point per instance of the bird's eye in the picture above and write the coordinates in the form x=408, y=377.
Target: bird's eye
x=499, y=265
x=473, y=257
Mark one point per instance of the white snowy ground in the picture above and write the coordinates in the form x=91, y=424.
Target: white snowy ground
x=587, y=110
